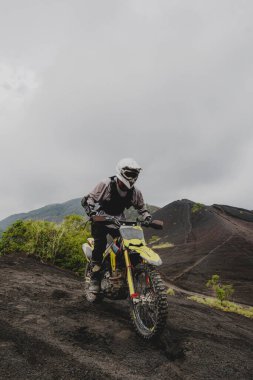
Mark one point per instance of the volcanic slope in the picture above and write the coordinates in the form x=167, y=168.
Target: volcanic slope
x=48, y=331
x=207, y=240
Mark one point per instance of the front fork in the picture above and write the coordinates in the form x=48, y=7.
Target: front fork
x=130, y=276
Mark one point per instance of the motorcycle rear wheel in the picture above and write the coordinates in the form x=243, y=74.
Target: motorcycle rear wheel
x=150, y=308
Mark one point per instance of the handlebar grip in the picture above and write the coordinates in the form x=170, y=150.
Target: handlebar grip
x=103, y=219
x=157, y=224
x=98, y=218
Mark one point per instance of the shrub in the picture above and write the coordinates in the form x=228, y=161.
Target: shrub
x=15, y=238
x=227, y=306
x=153, y=239
x=170, y=292
x=197, y=207
x=223, y=292
x=59, y=244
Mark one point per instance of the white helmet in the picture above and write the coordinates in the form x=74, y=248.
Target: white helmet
x=127, y=171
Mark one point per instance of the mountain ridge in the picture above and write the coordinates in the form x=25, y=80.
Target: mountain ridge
x=56, y=212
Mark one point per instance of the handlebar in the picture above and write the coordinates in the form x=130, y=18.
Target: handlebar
x=156, y=224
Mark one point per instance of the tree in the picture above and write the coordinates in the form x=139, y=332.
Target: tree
x=223, y=292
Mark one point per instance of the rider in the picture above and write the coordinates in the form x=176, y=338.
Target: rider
x=111, y=197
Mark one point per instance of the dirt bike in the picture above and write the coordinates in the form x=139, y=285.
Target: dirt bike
x=129, y=271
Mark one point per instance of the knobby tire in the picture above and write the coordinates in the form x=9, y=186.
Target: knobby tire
x=158, y=289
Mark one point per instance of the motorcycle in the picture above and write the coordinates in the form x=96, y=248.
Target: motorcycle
x=128, y=270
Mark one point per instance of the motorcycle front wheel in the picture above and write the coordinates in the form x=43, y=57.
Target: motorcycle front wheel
x=150, y=307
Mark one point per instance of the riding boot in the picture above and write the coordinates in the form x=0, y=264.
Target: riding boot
x=95, y=277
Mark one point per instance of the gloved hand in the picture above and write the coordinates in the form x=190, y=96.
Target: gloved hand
x=92, y=211
x=116, y=222
x=147, y=220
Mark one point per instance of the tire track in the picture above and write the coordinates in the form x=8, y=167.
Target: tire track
x=188, y=269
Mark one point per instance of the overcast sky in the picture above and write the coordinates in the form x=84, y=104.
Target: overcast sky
x=85, y=83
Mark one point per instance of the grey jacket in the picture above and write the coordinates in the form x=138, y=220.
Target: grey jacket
x=102, y=193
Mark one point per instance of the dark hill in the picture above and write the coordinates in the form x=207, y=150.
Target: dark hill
x=207, y=240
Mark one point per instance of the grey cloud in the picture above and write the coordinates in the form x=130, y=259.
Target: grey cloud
x=169, y=83
x=6, y=86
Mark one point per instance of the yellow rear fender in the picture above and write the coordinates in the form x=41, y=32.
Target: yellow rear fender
x=147, y=254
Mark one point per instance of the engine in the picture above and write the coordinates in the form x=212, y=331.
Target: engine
x=114, y=286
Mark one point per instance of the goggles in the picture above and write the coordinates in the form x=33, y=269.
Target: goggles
x=130, y=174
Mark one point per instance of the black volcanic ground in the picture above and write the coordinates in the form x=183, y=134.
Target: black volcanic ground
x=49, y=332
x=214, y=240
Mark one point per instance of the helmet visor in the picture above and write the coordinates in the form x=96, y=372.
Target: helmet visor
x=130, y=174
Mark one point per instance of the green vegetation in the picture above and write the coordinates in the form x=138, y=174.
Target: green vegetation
x=58, y=244
x=153, y=239
x=170, y=292
x=221, y=302
x=197, y=207
x=226, y=306
x=223, y=292
x=163, y=245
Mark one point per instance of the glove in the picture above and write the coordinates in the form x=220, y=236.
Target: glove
x=94, y=209
x=91, y=212
x=111, y=221
x=116, y=222
x=147, y=220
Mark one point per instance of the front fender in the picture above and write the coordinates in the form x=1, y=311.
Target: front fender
x=147, y=254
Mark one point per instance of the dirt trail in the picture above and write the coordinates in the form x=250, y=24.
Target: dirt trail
x=188, y=269
x=48, y=331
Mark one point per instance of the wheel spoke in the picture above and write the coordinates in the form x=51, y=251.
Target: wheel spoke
x=149, y=314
